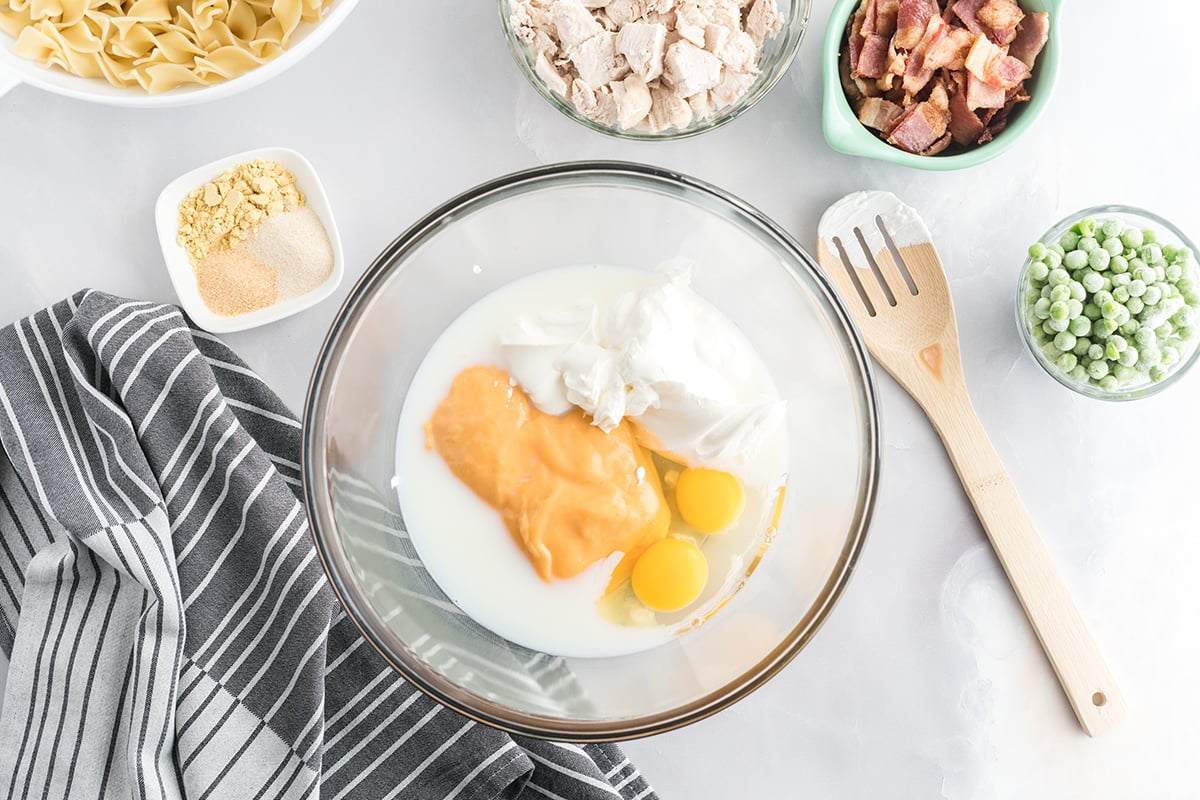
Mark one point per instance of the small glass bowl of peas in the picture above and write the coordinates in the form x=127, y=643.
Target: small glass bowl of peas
x=1109, y=303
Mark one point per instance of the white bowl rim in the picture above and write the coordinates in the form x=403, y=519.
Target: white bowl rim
x=16, y=71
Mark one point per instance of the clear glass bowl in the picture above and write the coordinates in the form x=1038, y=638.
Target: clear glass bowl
x=619, y=215
x=776, y=57
x=1167, y=234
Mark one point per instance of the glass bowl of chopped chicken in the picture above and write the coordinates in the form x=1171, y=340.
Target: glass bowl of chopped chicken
x=514, y=405
x=654, y=70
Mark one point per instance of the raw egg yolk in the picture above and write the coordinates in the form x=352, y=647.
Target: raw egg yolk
x=709, y=500
x=670, y=574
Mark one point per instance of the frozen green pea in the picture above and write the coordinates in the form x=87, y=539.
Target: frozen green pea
x=1152, y=296
x=1170, y=355
x=1173, y=273
x=1065, y=341
x=1183, y=254
x=1053, y=259
x=1060, y=310
x=1086, y=227
x=1185, y=333
x=1048, y=329
x=1160, y=272
x=1131, y=237
x=1137, y=288
x=1062, y=292
x=1090, y=310
x=1124, y=374
x=1135, y=306
x=1096, y=353
x=1182, y=318
x=1123, y=316
x=1098, y=368
x=1037, y=251
x=1149, y=236
x=1041, y=309
x=1116, y=345
x=1169, y=252
x=1109, y=383
x=1041, y=335
x=1129, y=328
x=1112, y=246
x=1144, y=274
x=1091, y=281
x=1145, y=337
x=1158, y=374
x=1099, y=258
x=1118, y=264
x=1150, y=253
x=1184, y=284
x=1110, y=309
x=1082, y=346
x=1087, y=244
x=1068, y=240
x=1074, y=309
x=1149, y=357
x=1080, y=325
x=1058, y=325
x=1124, y=279
x=1128, y=357
x=1058, y=277
x=1056, y=248
x=1164, y=331
x=1066, y=362
x=1075, y=259
x=1079, y=374
x=1135, y=264
x=1051, y=352
x=1120, y=294
x=1077, y=290
x=1103, y=328
x=1192, y=298
x=1111, y=227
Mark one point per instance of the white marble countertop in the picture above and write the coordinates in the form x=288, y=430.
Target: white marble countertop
x=926, y=681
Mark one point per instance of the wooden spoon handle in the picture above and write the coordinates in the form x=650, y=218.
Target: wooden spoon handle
x=1060, y=628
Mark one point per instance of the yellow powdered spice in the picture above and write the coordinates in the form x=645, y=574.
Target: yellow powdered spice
x=224, y=212
x=231, y=282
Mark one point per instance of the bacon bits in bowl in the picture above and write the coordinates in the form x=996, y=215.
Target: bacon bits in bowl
x=937, y=84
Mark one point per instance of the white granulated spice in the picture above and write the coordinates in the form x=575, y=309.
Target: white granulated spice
x=296, y=245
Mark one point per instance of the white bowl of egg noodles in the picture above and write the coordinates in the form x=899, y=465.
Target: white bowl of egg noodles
x=177, y=69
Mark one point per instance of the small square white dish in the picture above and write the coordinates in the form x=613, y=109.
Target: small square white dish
x=179, y=267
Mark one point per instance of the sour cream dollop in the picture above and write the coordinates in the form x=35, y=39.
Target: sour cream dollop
x=660, y=356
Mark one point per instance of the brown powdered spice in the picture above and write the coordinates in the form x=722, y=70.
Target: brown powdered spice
x=232, y=282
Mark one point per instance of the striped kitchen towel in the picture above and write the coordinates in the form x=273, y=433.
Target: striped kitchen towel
x=170, y=630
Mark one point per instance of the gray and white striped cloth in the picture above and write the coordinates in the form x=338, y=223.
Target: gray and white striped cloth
x=170, y=630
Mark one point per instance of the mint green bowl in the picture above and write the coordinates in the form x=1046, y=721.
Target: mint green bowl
x=846, y=134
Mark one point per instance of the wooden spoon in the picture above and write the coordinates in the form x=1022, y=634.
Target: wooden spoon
x=906, y=316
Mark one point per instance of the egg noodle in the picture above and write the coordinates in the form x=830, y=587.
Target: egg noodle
x=155, y=44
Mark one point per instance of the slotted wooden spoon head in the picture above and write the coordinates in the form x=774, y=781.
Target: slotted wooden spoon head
x=880, y=255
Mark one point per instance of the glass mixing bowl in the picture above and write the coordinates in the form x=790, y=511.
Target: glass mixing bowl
x=572, y=214
x=773, y=62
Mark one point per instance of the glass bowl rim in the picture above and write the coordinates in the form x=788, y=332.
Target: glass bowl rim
x=359, y=609
x=791, y=47
x=1052, y=235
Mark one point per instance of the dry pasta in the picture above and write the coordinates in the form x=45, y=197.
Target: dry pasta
x=155, y=44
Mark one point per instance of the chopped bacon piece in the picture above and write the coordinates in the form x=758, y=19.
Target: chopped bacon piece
x=989, y=63
x=919, y=128
x=965, y=126
x=879, y=114
x=951, y=51
x=966, y=10
x=912, y=18
x=937, y=147
x=855, y=38
x=1032, y=34
x=1000, y=14
x=983, y=95
x=886, y=12
x=873, y=59
x=918, y=74
x=868, y=23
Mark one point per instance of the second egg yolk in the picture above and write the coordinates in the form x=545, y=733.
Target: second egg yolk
x=708, y=500
x=670, y=574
